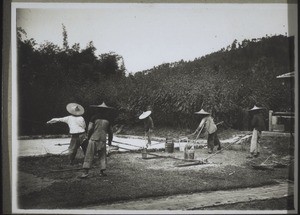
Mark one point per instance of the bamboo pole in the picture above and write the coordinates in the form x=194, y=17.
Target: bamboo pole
x=124, y=148
x=263, y=163
x=60, y=144
x=126, y=144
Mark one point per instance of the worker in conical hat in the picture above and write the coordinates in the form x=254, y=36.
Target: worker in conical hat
x=77, y=127
x=208, y=125
x=148, y=125
x=99, y=127
x=258, y=125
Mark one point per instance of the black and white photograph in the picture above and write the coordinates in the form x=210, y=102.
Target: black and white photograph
x=154, y=108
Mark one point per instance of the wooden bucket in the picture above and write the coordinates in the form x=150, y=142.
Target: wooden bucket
x=189, y=155
x=189, y=152
x=144, y=154
x=169, y=145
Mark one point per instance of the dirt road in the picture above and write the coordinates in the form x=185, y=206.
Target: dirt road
x=204, y=199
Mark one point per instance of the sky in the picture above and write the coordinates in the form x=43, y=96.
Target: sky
x=147, y=35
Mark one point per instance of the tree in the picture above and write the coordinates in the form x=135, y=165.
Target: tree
x=112, y=65
x=65, y=38
x=233, y=45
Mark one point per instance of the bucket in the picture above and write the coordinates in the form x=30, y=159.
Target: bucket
x=189, y=152
x=181, y=147
x=183, y=141
x=144, y=154
x=186, y=157
x=169, y=145
x=191, y=155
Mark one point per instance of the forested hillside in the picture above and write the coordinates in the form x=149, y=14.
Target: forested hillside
x=226, y=83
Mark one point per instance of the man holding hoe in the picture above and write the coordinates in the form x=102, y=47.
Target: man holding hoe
x=207, y=125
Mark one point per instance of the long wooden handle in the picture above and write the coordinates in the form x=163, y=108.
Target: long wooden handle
x=199, y=133
x=265, y=160
x=225, y=147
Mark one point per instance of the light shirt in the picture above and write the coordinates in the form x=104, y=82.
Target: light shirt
x=76, y=123
x=208, y=124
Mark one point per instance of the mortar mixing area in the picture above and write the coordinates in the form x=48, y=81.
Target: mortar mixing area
x=42, y=146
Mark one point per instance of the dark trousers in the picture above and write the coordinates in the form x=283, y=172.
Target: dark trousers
x=84, y=145
x=95, y=148
x=76, y=141
x=213, y=141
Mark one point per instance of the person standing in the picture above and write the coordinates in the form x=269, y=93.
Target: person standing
x=258, y=125
x=148, y=125
x=99, y=127
x=77, y=127
x=208, y=125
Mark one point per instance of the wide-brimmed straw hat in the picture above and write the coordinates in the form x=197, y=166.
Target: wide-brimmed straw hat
x=75, y=109
x=145, y=114
x=255, y=108
x=202, y=112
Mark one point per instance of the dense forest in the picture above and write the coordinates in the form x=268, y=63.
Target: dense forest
x=227, y=83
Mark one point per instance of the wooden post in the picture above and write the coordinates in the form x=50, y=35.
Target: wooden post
x=270, y=120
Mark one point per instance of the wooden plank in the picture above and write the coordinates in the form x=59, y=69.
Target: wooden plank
x=172, y=157
x=65, y=170
x=191, y=164
x=283, y=114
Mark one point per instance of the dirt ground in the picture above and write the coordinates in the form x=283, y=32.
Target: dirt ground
x=48, y=182
x=285, y=203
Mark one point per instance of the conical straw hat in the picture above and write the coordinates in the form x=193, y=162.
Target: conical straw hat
x=145, y=114
x=202, y=112
x=102, y=106
x=105, y=111
x=75, y=109
x=256, y=108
